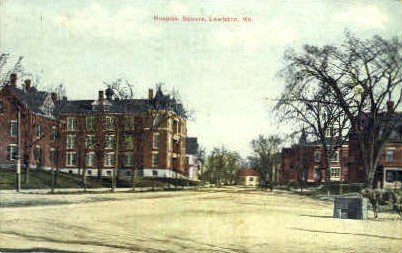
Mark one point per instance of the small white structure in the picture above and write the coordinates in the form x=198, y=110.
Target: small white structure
x=192, y=162
x=248, y=177
x=192, y=165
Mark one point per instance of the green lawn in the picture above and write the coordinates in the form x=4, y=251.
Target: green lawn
x=40, y=179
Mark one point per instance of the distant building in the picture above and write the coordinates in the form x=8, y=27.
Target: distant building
x=248, y=177
x=304, y=162
x=192, y=162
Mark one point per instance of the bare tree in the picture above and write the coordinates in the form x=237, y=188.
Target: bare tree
x=9, y=66
x=316, y=110
x=364, y=79
x=156, y=112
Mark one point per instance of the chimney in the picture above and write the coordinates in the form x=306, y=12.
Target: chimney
x=150, y=93
x=27, y=83
x=53, y=95
x=101, y=97
x=13, y=80
x=390, y=106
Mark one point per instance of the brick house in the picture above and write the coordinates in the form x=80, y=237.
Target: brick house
x=147, y=136
x=38, y=131
x=305, y=163
x=389, y=173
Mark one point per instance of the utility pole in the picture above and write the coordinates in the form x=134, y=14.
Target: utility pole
x=117, y=159
x=19, y=150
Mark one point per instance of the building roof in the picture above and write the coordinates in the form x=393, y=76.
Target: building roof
x=192, y=146
x=32, y=99
x=113, y=106
x=159, y=102
x=244, y=172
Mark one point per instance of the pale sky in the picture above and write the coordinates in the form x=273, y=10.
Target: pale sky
x=223, y=71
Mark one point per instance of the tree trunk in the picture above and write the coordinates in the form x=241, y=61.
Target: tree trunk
x=27, y=170
x=84, y=178
x=53, y=180
x=327, y=170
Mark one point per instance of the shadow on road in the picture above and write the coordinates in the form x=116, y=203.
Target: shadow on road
x=36, y=250
x=345, y=233
x=317, y=216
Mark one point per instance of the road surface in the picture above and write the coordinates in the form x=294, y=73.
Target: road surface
x=209, y=220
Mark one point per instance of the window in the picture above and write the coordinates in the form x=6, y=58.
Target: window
x=89, y=172
x=128, y=159
x=13, y=128
x=71, y=140
x=154, y=173
x=129, y=141
x=156, y=140
x=129, y=123
x=71, y=124
x=393, y=175
x=157, y=120
x=90, y=123
x=90, y=141
x=54, y=133
x=154, y=159
x=38, y=155
x=109, y=123
x=71, y=158
x=335, y=173
x=89, y=159
x=317, y=156
x=1, y=107
x=109, y=141
x=328, y=132
x=335, y=156
x=109, y=160
x=12, y=152
x=250, y=179
x=109, y=173
x=38, y=131
x=390, y=155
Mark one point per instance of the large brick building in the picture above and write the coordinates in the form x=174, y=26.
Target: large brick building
x=145, y=136
x=29, y=114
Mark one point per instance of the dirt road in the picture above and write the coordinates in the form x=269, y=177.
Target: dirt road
x=224, y=220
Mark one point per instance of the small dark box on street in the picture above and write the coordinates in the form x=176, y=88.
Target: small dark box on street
x=350, y=208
